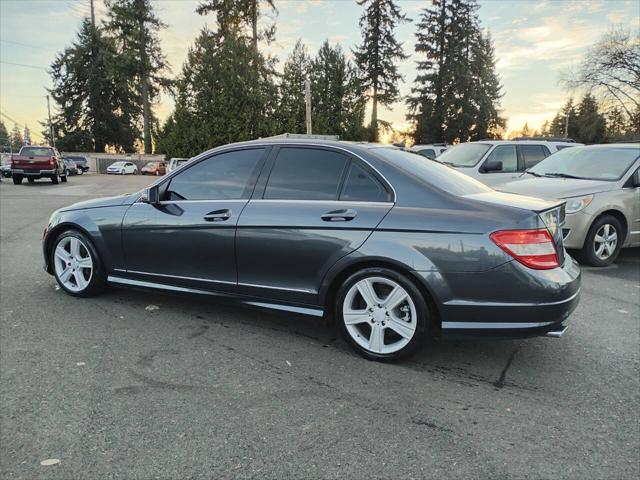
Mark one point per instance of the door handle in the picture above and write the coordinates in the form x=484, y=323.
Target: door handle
x=344, y=215
x=218, y=215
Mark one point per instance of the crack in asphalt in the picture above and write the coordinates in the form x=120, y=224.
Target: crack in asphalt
x=501, y=380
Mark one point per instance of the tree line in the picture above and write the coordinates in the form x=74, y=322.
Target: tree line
x=107, y=82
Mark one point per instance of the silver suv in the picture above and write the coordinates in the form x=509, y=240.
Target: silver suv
x=495, y=162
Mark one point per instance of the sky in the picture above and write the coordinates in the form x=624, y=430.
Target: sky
x=535, y=42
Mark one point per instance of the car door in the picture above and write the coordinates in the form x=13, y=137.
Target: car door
x=506, y=158
x=632, y=186
x=312, y=206
x=189, y=237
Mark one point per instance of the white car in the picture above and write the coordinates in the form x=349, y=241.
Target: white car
x=495, y=162
x=431, y=151
x=175, y=163
x=123, y=168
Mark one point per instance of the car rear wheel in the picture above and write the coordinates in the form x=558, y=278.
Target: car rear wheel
x=55, y=179
x=603, y=242
x=31, y=180
x=63, y=179
x=382, y=314
x=17, y=179
x=80, y=171
x=76, y=265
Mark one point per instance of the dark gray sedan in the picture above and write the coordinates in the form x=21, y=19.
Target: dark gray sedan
x=391, y=246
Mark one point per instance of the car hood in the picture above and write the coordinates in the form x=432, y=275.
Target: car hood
x=555, y=187
x=125, y=199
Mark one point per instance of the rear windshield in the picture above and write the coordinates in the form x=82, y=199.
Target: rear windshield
x=465, y=154
x=432, y=172
x=592, y=163
x=152, y=164
x=36, y=152
x=76, y=159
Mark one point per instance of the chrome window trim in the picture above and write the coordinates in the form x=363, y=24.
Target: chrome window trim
x=224, y=148
x=275, y=200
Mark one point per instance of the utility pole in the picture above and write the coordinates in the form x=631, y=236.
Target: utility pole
x=52, y=139
x=307, y=102
x=93, y=14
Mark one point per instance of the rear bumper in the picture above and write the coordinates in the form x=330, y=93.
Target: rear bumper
x=32, y=172
x=510, y=301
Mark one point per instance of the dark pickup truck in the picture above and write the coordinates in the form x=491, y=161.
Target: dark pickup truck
x=38, y=162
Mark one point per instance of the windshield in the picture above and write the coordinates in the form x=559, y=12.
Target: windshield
x=118, y=164
x=35, y=152
x=465, y=154
x=434, y=173
x=592, y=163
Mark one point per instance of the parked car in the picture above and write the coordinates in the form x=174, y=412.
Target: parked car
x=123, y=168
x=175, y=163
x=81, y=163
x=33, y=163
x=601, y=187
x=70, y=166
x=495, y=162
x=430, y=151
x=5, y=170
x=394, y=247
x=154, y=168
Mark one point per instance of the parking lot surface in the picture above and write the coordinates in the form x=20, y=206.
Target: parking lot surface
x=139, y=385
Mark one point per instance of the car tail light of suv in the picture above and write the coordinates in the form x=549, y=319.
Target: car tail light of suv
x=532, y=248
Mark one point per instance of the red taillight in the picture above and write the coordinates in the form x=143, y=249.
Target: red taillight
x=52, y=161
x=532, y=248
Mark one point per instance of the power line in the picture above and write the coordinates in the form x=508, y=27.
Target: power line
x=24, y=65
x=20, y=43
x=22, y=125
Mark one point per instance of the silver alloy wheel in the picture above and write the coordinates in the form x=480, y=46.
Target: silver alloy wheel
x=73, y=264
x=379, y=315
x=605, y=241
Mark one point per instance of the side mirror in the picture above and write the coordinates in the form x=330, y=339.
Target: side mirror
x=492, y=166
x=151, y=195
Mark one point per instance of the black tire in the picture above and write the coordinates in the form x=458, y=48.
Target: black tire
x=423, y=316
x=67, y=172
x=80, y=171
x=31, y=180
x=63, y=179
x=17, y=179
x=55, y=179
x=98, y=281
x=587, y=255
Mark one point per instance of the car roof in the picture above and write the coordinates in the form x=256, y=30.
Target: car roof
x=629, y=146
x=521, y=142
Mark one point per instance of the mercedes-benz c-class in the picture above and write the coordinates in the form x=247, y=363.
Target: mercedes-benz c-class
x=391, y=246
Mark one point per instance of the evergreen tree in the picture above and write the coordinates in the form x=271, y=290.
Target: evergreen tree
x=134, y=26
x=225, y=94
x=544, y=130
x=292, y=109
x=564, y=123
x=376, y=56
x=456, y=93
x=338, y=99
x=239, y=15
x=89, y=96
x=591, y=124
x=4, y=137
x=616, y=124
x=16, y=139
x=526, y=131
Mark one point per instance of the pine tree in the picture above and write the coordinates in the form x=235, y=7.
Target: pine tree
x=592, y=125
x=376, y=56
x=4, y=137
x=616, y=124
x=564, y=123
x=135, y=27
x=544, y=130
x=16, y=139
x=225, y=94
x=456, y=93
x=239, y=15
x=292, y=109
x=90, y=97
x=526, y=131
x=337, y=97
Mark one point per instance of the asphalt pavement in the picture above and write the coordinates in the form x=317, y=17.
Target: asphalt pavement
x=139, y=385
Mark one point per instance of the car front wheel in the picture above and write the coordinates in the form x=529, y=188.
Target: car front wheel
x=382, y=314
x=603, y=243
x=17, y=179
x=76, y=265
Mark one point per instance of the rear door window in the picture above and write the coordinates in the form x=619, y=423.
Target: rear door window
x=361, y=186
x=507, y=155
x=532, y=154
x=306, y=174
